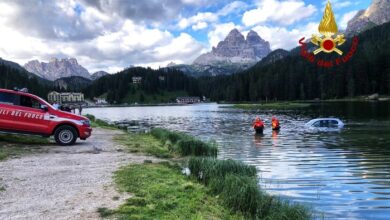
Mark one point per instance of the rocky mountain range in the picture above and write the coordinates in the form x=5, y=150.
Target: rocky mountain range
x=234, y=54
x=376, y=14
x=57, y=68
x=236, y=49
x=98, y=75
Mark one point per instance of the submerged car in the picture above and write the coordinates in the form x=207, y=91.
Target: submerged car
x=25, y=113
x=325, y=124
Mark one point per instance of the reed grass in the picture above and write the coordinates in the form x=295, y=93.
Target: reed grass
x=236, y=184
x=205, y=168
x=185, y=145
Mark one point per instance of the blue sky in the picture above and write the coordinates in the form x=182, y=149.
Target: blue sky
x=340, y=8
x=113, y=34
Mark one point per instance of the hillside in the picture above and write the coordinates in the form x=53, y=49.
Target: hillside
x=73, y=83
x=152, y=86
x=13, y=75
x=293, y=77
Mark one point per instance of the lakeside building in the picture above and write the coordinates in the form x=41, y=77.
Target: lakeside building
x=187, y=100
x=136, y=79
x=66, y=97
x=100, y=101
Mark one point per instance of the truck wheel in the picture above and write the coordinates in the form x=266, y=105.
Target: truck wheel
x=65, y=135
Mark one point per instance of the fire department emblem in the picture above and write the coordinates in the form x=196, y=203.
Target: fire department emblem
x=328, y=29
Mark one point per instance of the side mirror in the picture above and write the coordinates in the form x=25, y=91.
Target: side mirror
x=44, y=108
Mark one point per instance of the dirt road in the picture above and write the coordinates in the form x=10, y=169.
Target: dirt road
x=66, y=182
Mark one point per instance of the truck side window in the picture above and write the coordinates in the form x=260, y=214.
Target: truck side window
x=7, y=98
x=29, y=102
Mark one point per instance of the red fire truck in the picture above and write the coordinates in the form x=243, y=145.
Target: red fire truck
x=25, y=113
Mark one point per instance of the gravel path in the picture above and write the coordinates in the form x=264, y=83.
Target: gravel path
x=66, y=182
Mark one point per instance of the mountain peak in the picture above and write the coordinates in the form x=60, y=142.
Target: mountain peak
x=252, y=32
x=376, y=14
x=98, y=75
x=234, y=36
x=235, y=49
x=57, y=68
x=234, y=31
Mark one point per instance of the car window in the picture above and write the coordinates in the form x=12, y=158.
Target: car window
x=334, y=123
x=316, y=124
x=7, y=98
x=29, y=102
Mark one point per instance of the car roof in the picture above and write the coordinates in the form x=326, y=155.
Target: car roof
x=320, y=119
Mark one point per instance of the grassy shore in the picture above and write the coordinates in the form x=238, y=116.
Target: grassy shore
x=162, y=143
x=14, y=145
x=273, y=106
x=161, y=191
x=215, y=189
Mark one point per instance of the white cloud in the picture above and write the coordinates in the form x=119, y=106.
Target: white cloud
x=282, y=12
x=346, y=18
x=220, y=32
x=182, y=46
x=281, y=37
x=116, y=43
x=198, y=18
x=199, y=26
x=235, y=6
x=339, y=4
x=202, y=19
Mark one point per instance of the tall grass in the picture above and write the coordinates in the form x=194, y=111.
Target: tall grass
x=236, y=184
x=184, y=144
x=205, y=169
x=196, y=147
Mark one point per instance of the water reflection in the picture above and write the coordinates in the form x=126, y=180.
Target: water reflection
x=342, y=175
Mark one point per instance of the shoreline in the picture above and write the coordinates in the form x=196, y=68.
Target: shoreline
x=185, y=154
x=353, y=99
x=147, y=169
x=146, y=105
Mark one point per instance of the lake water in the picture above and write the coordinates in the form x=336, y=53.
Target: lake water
x=343, y=175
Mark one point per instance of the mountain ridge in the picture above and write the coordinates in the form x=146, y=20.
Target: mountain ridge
x=376, y=14
x=57, y=68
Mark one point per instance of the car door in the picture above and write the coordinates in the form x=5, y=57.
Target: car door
x=7, y=104
x=29, y=115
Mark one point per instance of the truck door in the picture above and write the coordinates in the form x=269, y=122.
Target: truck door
x=7, y=103
x=29, y=115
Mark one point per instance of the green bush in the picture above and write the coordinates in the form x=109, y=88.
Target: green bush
x=160, y=133
x=90, y=117
x=102, y=123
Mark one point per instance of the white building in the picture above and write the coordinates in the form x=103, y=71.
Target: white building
x=100, y=101
x=187, y=100
x=66, y=97
x=136, y=79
